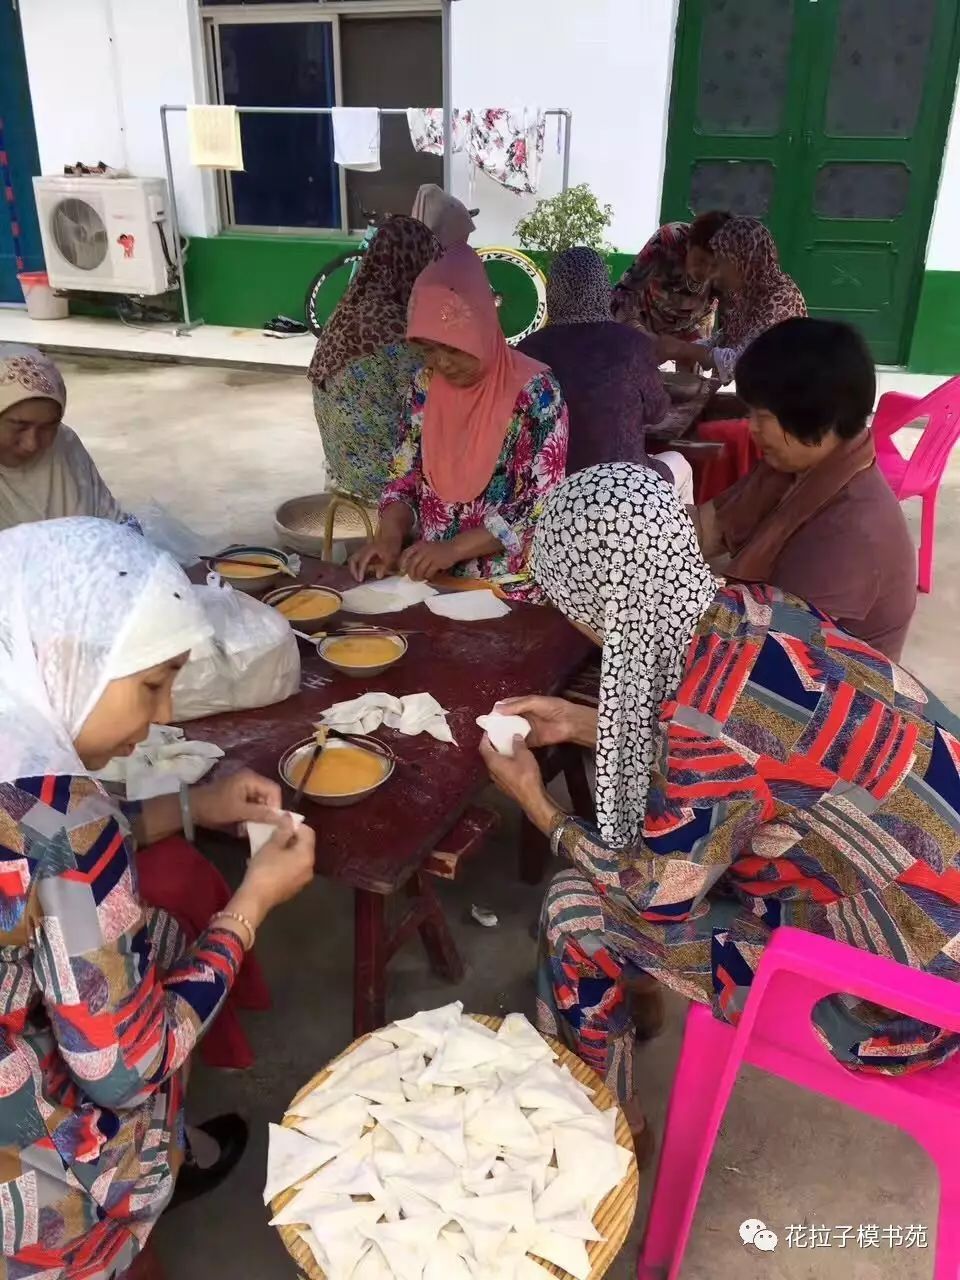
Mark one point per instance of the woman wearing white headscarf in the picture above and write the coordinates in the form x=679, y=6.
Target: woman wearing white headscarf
x=102, y=1007
x=752, y=757
x=45, y=472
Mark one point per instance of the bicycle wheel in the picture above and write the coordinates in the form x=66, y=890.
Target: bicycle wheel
x=521, y=289
x=327, y=288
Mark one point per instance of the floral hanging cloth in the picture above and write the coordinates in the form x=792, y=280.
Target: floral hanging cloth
x=508, y=146
x=426, y=129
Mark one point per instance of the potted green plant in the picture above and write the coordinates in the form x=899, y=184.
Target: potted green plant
x=574, y=217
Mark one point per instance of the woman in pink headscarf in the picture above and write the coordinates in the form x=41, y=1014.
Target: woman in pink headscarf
x=482, y=442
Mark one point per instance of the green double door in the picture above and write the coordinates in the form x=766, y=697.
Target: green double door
x=827, y=120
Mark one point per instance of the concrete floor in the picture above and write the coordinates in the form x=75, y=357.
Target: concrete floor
x=221, y=449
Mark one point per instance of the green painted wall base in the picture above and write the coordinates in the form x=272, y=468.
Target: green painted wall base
x=244, y=280
x=936, y=335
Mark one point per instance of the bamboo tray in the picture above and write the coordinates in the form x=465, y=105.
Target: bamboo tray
x=613, y=1219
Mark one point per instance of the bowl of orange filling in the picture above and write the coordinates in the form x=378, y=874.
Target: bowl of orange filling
x=345, y=772
x=251, y=569
x=305, y=608
x=363, y=653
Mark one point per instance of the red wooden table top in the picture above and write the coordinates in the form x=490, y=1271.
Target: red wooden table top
x=467, y=666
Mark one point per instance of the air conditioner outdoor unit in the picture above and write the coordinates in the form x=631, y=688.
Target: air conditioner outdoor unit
x=106, y=234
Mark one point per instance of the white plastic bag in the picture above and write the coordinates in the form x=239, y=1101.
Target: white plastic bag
x=252, y=659
x=164, y=530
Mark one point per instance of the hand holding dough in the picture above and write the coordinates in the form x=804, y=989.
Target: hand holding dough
x=501, y=730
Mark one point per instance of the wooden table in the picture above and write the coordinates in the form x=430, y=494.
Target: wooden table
x=388, y=844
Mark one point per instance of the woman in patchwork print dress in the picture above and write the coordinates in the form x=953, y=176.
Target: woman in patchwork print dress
x=483, y=441
x=756, y=766
x=101, y=1004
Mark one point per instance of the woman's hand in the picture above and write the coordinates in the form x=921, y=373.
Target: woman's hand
x=238, y=797
x=378, y=557
x=425, y=560
x=283, y=867
x=553, y=720
x=519, y=777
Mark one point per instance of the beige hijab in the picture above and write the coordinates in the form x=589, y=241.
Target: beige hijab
x=446, y=216
x=64, y=481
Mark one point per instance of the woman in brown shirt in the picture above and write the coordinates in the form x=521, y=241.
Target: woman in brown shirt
x=816, y=517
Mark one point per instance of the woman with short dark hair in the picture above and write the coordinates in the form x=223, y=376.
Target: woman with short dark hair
x=816, y=517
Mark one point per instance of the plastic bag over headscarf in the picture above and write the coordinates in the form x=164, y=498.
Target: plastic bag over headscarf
x=615, y=550
x=84, y=602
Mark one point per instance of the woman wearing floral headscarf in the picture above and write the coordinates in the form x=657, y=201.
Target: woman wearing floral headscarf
x=103, y=1004
x=482, y=442
x=45, y=472
x=363, y=364
x=607, y=372
x=756, y=295
x=756, y=766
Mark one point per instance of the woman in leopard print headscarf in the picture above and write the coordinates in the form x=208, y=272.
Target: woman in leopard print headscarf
x=363, y=365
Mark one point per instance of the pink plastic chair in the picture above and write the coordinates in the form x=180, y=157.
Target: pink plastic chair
x=919, y=476
x=775, y=1033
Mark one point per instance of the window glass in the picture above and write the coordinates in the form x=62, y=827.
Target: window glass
x=289, y=179
x=391, y=62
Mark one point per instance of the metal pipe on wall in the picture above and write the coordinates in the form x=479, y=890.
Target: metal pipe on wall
x=445, y=58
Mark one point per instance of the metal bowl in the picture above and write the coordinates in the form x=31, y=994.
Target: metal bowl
x=303, y=749
x=358, y=673
x=252, y=586
x=313, y=623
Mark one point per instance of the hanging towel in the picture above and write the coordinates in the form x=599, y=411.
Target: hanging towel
x=426, y=129
x=356, y=138
x=508, y=146
x=214, y=137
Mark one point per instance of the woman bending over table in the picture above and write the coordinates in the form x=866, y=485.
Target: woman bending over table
x=816, y=516
x=483, y=440
x=45, y=472
x=756, y=767
x=755, y=295
x=362, y=365
x=668, y=289
x=103, y=1005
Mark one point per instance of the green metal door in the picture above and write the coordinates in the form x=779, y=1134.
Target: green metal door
x=827, y=119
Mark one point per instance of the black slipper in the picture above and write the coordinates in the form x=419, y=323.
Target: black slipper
x=230, y=1133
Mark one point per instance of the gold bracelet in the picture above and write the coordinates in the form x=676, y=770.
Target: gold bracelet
x=241, y=920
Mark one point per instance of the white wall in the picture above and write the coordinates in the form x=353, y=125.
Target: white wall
x=943, y=253
x=99, y=71
x=610, y=62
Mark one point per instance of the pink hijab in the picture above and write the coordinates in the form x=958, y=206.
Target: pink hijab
x=464, y=427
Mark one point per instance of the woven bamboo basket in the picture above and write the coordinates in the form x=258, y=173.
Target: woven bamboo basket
x=613, y=1219
x=301, y=523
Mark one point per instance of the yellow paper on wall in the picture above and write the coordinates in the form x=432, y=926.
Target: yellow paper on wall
x=214, y=137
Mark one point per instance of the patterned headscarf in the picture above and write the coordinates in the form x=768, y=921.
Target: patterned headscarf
x=767, y=294
x=27, y=374
x=579, y=289
x=373, y=311
x=615, y=550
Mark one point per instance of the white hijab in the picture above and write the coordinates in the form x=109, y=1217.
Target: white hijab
x=615, y=550
x=83, y=602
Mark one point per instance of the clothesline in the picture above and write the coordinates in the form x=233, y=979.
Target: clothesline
x=181, y=108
